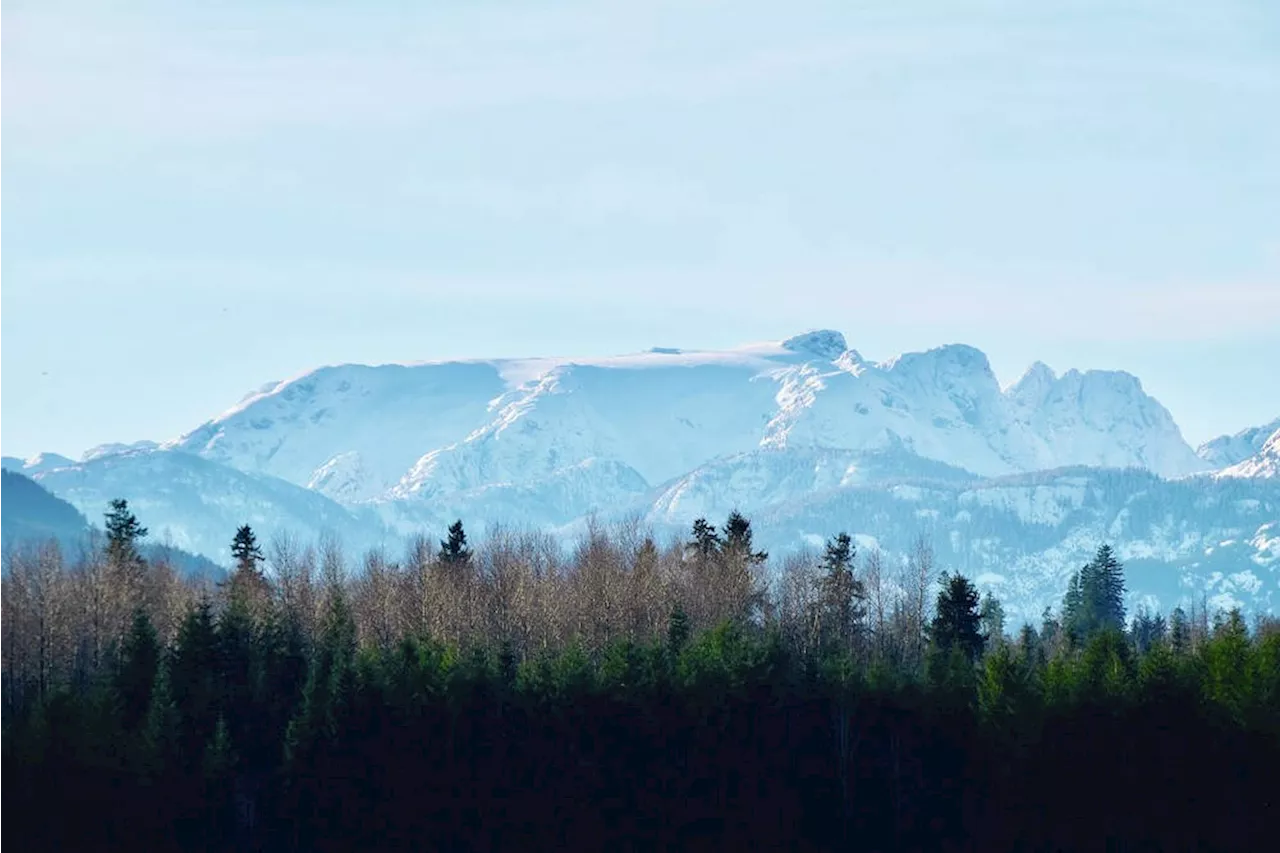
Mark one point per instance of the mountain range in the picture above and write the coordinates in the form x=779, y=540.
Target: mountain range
x=1014, y=485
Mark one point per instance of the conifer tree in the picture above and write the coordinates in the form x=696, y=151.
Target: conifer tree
x=1108, y=604
x=991, y=614
x=842, y=593
x=237, y=642
x=248, y=588
x=737, y=540
x=135, y=677
x=124, y=561
x=193, y=678
x=245, y=550
x=1227, y=670
x=1073, y=617
x=123, y=534
x=161, y=732
x=737, y=594
x=1179, y=631
x=1147, y=630
x=957, y=623
x=706, y=542
x=1095, y=598
x=454, y=551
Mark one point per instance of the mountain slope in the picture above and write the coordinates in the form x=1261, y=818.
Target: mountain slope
x=1265, y=463
x=196, y=505
x=1227, y=450
x=32, y=513
x=1021, y=536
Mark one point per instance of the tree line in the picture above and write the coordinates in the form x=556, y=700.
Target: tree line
x=629, y=693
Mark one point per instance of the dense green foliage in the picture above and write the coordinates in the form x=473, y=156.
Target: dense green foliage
x=284, y=714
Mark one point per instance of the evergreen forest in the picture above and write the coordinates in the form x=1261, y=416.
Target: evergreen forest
x=627, y=695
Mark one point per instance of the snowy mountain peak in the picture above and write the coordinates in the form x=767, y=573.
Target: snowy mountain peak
x=384, y=433
x=1264, y=464
x=948, y=367
x=1227, y=450
x=114, y=448
x=1032, y=387
x=824, y=343
x=47, y=461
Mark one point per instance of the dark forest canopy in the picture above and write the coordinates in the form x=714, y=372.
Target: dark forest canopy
x=498, y=695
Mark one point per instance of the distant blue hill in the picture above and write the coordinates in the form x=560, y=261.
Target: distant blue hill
x=30, y=514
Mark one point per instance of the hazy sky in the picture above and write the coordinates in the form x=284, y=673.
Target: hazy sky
x=199, y=198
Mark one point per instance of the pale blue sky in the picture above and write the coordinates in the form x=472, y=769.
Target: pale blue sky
x=200, y=198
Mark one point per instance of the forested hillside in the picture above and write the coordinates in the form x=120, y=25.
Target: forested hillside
x=30, y=512
x=630, y=696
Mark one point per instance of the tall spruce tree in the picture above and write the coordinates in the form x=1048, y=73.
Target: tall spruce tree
x=1179, y=631
x=123, y=534
x=1109, y=595
x=454, y=550
x=136, y=674
x=248, y=588
x=991, y=614
x=1147, y=630
x=245, y=550
x=1072, y=610
x=842, y=593
x=1095, y=598
x=705, y=543
x=957, y=624
x=737, y=540
x=194, y=682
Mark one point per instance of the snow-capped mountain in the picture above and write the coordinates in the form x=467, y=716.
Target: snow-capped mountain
x=805, y=435
x=38, y=463
x=1264, y=463
x=358, y=433
x=1227, y=450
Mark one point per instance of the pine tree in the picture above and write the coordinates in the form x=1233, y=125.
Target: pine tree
x=237, y=644
x=247, y=587
x=454, y=551
x=1179, y=631
x=842, y=593
x=1109, y=596
x=193, y=678
x=1228, y=675
x=161, y=733
x=737, y=540
x=706, y=542
x=1147, y=631
x=738, y=593
x=123, y=534
x=245, y=550
x=1073, y=617
x=124, y=561
x=1095, y=598
x=991, y=614
x=136, y=674
x=1050, y=631
x=957, y=623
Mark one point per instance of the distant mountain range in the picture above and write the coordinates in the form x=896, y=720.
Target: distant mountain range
x=1015, y=485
